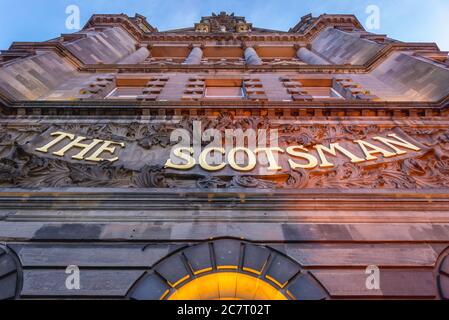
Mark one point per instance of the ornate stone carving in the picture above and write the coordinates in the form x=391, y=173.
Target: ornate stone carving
x=223, y=22
x=19, y=167
x=201, y=27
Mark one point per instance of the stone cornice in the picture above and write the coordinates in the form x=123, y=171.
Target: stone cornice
x=371, y=64
x=341, y=104
x=5, y=104
x=108, y=20
x=292, y=109
x=323, y=21
x=57, y=47
x=311, y=32
x=423, y=200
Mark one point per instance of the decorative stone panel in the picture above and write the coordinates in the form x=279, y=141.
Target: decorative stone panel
x=294, y=88
x=351, y=90
x=194, y=89
x=98, y=88
x=153, y=88
x=254, y=89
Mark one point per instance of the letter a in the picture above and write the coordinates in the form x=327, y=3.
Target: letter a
x=72, y=282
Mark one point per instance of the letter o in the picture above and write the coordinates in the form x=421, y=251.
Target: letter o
x=252, y=161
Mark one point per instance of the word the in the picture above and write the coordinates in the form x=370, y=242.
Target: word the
x=97, y=146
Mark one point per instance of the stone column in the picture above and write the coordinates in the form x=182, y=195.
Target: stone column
x=310, y=57
x=251, y=57
x=136, y=57
x=195, y=56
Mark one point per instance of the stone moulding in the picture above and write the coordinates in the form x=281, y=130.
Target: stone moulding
x=289, y=110
x=283, y=199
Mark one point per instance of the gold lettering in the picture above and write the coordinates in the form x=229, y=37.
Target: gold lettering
x=251, y=159
x=178, y=152
x=374, y=149
x=401, y=143
x=270, y=156
x=203, y=159
x=313, y=161
x=105, y=147
x=61, y=136
x=77, y=144
x=333, y=148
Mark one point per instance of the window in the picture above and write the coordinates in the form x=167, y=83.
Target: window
x=230, y=89
x=224, y=93
x=321, y=93
x=320, y=89
x=147, y=88
x=125, y=93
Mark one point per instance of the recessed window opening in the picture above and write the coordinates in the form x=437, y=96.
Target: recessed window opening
x=320, y=89
x=228, y=89
x=125, y=93
x=322, y=92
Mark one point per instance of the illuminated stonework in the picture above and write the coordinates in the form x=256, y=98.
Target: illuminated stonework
x=343, y=135
x=226, y=269
x=227, y=286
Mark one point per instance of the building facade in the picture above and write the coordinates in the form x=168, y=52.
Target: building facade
x=345, y=194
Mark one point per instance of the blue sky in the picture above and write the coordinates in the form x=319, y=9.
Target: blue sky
x=407, y=20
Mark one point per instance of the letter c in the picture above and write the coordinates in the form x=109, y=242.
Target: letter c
x=203, y=159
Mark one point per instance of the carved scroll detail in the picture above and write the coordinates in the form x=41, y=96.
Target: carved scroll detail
x=19, y=168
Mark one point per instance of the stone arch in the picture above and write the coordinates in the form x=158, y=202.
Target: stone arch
x=227, y=269
x=442, y=273
x=10, y=274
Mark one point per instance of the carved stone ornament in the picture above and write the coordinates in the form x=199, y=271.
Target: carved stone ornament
x=148, y=146
x=223, y=22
